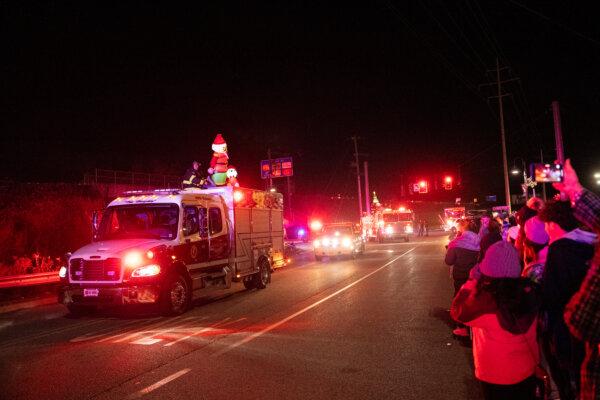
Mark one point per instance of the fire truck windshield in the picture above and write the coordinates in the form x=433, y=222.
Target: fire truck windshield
x=341, y=230
x=397, y=217
x=157, y=221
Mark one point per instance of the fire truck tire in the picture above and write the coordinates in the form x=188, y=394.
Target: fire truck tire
x=318, y=258
x=264, y=275
x=176, y=296
x=406, y=239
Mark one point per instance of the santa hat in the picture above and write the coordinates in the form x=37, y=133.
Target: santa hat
x=219, y=139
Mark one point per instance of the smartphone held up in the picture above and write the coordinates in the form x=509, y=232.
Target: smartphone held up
x=548, y=172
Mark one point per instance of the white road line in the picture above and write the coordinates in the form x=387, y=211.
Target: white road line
x=158, y=384
x=147, y=329
x=305, y=309
x=197, y=333
x=152, y=323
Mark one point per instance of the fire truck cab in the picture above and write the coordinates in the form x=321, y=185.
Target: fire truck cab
x=164, y=247
x=395, y=224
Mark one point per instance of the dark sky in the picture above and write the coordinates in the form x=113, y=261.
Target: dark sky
x=142, y=87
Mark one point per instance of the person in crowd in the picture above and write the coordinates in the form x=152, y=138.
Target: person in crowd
x=425, y=227
x=421, y=227
x=567, y=263
x=529, y=210
x=192, y=178
x=462, y=256
x=492, y=236
x=535, y=250
x=582, y=313
x=501, y=308
x=484, y=221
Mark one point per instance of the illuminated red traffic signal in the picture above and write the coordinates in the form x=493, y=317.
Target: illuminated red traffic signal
x=448, y=183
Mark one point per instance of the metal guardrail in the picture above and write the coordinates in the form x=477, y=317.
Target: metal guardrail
x=28, y=279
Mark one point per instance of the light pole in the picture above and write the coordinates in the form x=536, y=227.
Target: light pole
x=515, y=171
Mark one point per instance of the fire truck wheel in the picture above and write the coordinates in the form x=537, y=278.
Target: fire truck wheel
x=406, y=239
x=263, y=277
x=318, y=258
x=176, y=297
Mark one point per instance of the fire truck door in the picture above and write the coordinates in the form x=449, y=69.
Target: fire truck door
x=218, y=237
x=195, y=231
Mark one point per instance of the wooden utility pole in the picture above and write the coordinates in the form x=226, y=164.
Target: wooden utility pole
x=360, y=208
x=501, y=95
x=503, y=137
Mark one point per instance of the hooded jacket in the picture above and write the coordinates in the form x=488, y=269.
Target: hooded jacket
x=505, y=349
x=462, y=255
x=566, y=265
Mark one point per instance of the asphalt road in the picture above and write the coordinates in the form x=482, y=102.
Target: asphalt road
x=372, y=328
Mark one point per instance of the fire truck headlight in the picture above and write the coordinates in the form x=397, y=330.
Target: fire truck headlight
x=133, y=259
x=408, y=229
x=346, y=242
x=62, y=272
x=317, y=243
x=389, y=230
x=147, y=270
x=326, y=242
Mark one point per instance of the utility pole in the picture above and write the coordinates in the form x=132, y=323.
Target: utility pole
x=503, y=136
x=500, y=95
x=367, y=197
x=560, y=153
x=360, y=209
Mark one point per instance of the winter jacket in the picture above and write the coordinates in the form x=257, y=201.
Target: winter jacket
x=567, y=263
x=505, y=349
x=566, y=266
x=583, y=311
x=462, y=255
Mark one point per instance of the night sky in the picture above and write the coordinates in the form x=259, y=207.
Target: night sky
x=146, y=88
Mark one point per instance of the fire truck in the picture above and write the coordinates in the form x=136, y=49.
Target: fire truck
x=165, y=247
x=394, y=224
x=451, y=216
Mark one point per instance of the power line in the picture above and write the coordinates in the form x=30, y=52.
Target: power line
x=548, y=19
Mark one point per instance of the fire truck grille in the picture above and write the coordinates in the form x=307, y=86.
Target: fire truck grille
x=95, y=270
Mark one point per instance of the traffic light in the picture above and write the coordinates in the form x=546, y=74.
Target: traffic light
x=423, y=186
x=448, y=183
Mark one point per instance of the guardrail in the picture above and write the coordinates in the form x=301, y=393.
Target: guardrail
x=28, y=279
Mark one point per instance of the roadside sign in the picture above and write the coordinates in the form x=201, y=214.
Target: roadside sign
x=277, y=168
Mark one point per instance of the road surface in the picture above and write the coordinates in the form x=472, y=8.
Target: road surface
x=372, y=328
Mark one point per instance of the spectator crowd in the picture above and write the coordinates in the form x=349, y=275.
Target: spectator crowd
x=527, y=292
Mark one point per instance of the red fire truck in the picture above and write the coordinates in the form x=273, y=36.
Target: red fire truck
x=395, y=224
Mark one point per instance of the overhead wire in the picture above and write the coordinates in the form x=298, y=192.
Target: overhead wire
x=548, y=19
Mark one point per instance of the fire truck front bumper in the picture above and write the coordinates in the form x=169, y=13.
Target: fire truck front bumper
x=108, y=295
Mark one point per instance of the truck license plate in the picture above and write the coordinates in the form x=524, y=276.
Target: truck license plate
x=90, y=292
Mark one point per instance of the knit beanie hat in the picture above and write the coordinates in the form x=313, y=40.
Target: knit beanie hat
x=535, y=231
x=501, y=261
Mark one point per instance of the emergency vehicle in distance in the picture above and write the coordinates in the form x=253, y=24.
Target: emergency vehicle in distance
x=394, y=224
x=451, y=217
x=164, y=247
x=339, y=239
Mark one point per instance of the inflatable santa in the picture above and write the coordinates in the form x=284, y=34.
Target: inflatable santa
x=219, y=162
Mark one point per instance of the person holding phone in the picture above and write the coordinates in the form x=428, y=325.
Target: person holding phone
x=582, y=311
